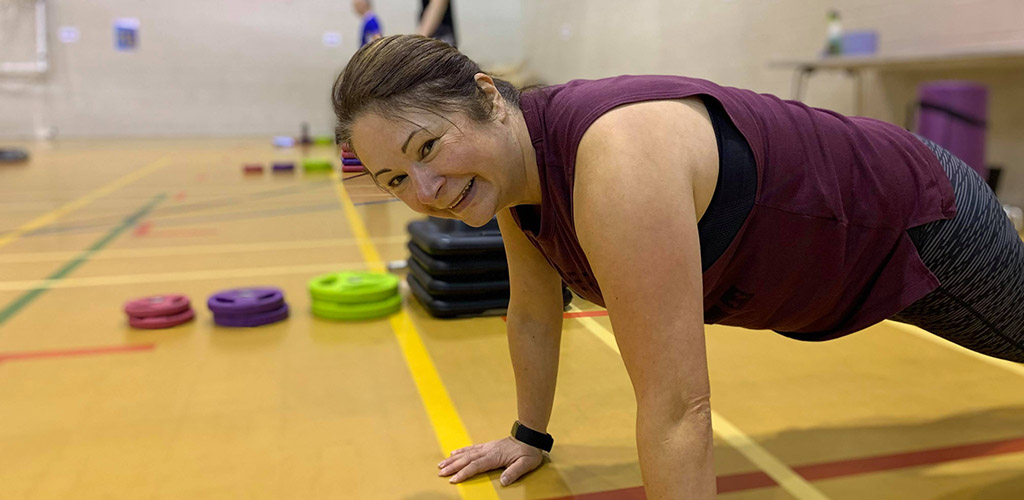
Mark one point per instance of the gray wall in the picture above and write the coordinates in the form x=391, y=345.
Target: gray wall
x=733, y=41
x=230, y=67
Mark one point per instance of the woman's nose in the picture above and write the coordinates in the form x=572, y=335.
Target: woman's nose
x=428, y=186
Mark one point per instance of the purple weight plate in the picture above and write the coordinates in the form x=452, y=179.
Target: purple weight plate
x=244, y=301
x=257, y=319
x=282, y=166
x=347, y=161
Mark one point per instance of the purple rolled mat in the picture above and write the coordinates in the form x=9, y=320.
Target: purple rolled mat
x=350, y=161
x=953, y=114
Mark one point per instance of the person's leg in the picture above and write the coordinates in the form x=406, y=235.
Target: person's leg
x=978, y=258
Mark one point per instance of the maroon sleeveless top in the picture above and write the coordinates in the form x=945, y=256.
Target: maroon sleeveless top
x=824, y=251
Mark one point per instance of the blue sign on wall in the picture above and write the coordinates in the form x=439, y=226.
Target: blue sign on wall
x=126, y=33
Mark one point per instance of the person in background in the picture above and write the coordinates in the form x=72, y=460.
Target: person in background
x=436, y=21
x=371, y=26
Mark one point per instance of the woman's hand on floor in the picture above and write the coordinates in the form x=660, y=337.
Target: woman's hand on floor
x=517, y=459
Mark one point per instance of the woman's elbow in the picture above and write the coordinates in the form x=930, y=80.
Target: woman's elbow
x=671, y=409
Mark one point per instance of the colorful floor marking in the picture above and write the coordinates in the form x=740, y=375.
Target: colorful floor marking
x=67, y=353
x=772, y=466
x=577, y=314
x=190, y=250
x=43, y=285
x=451, y=433
x=143, y=228
x=51, y=217
x=1015, y=368
x=212, y=274
x=841, y=468
x=376, y=202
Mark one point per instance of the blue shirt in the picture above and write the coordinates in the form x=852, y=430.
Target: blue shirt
x=370, y=27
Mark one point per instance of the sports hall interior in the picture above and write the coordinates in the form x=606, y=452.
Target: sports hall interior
x=142, y=124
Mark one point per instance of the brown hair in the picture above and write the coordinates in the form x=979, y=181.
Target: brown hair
x=403, y=72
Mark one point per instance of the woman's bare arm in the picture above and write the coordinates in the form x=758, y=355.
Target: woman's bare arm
x=636, y=220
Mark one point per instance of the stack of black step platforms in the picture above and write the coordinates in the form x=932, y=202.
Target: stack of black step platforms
x=458, y=271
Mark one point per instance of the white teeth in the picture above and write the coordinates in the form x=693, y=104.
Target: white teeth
x=462, y=194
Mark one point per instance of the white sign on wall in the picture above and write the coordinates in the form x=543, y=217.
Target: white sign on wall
x=69, y=34
x=565, y=32
x=331, y=39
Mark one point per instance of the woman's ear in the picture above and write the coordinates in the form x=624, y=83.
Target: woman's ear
x=493, y=96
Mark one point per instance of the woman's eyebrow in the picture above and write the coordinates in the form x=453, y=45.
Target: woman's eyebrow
x=407, y=139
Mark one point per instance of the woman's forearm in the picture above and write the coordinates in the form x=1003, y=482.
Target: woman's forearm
x=676, y=453
x=534, y=346
x=432, y=17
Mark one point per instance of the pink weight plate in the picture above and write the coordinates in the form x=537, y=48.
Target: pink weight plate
x=157, y=305
x=154, y=322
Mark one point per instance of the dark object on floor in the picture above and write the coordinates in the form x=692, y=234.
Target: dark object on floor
x=13, y=155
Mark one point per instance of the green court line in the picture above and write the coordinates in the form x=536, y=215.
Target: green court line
x=26, y=298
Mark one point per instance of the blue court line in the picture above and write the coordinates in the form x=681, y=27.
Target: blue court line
x=378, y=202
x=200, y=219
x=106, y=221
x=26, y=298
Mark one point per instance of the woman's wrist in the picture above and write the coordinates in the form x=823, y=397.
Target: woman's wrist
x=533, y=437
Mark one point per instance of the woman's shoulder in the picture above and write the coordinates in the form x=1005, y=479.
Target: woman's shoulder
x=674, y=128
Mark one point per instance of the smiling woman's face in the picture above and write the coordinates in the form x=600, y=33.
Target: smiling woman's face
x=452, y=167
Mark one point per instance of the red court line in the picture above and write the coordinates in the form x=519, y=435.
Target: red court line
x=579, y=314
x=841, y=468
x=585, y=314
x=910, y=459
x=184, y=232
x=726, y=484
x=143, y=228
x=66, y=353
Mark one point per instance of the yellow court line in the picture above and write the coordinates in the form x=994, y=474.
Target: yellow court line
x=259, y=246
x=49, y=218
x=451, y=433
x=786, y=477
x=1015, y=368
x=132, y=279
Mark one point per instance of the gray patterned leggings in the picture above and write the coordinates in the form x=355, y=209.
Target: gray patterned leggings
x=979, y=261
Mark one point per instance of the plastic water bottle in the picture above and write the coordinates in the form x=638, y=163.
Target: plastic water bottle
x=835, y=34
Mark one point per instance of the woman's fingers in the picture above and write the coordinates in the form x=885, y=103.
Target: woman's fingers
x=454, y=455
x=455, y=464
x=462, y=450
x=479, y=463
x=521, y=466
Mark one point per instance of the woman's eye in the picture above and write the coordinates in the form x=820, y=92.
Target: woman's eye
x=396, y=181
x=427, y=147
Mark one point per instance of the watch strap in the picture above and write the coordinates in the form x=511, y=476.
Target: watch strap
x=532, y=437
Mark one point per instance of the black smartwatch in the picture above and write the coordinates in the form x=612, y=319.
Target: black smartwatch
x=531, y=437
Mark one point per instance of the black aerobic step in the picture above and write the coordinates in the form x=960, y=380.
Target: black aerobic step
x=461, y=267
x=440, y=308
x=444, y=237
x=459, y=290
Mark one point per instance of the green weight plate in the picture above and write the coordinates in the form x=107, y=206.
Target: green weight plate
x=317, y=164
x=353, y=287
x=323, y=140
x=366, y=310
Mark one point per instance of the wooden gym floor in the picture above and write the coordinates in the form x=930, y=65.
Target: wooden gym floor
x=310, y=409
